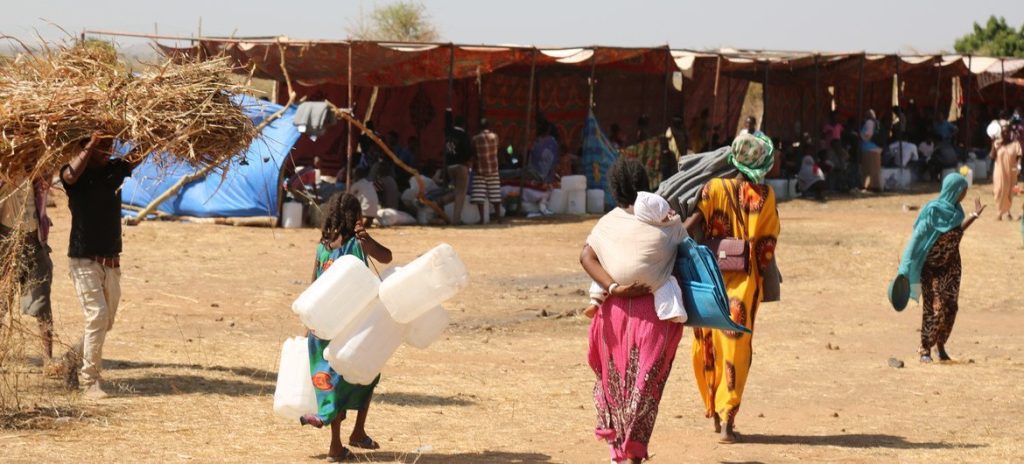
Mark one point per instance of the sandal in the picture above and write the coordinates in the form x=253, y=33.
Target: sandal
x=346, y=455
x=311, y=419
x=366, y=443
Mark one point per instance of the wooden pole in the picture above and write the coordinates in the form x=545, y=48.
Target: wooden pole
x=451, y=76
x=526, y=127
x=348, y=117
x=860, y=105
x=593, y=80
x=967, y=103
x=714, y=102
x=1002, y=66
x=938, y=83
x=348, y=126
x=668, y=83
x=817, y=99
x=764, y=97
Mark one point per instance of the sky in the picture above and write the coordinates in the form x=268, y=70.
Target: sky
x=921, y=26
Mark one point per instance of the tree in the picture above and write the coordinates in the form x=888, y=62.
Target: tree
x=995, y=39
x=401, y=21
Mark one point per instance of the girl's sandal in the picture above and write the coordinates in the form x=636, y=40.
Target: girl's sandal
x=311, y=419
x=345, y=455
x=366, y=443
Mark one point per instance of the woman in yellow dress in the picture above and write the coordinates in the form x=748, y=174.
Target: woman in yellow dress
x=739, y=207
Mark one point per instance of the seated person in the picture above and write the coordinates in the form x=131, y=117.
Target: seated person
x=433, y=191
x=900, y=154
x=838, y=160
x=811, y=178
x=382, y=173
x=365, y=191
x=944, y=157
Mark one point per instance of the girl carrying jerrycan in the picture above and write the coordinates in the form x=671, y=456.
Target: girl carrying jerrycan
x=342, y=234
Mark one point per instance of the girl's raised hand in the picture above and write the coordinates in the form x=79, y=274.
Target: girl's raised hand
x=361, y=233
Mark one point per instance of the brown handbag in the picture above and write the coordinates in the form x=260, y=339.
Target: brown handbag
x=733, y=254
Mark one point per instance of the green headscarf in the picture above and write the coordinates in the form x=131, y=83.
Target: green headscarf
x=752, y=155
x=937, y=217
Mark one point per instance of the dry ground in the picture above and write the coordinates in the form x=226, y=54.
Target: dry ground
x=194, y=353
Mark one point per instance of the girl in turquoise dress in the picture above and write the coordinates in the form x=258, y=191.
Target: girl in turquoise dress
x=342, y=234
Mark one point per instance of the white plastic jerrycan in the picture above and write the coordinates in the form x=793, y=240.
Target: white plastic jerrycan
x=360, y=358
x=294, y=396
x=426, y=329
x=424, y=283
x=338, y=298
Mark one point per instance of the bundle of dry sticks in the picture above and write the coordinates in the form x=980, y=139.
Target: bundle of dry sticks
x=53, y=100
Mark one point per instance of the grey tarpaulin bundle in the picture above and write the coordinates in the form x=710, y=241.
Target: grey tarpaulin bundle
x=683, y=189
x=683, y=192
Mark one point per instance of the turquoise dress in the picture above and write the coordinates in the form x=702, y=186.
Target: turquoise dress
x=333, y=393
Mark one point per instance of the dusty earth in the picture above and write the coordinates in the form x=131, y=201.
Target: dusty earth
x=193, y=357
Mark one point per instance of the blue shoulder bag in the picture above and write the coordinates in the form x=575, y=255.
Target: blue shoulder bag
x=707, y=304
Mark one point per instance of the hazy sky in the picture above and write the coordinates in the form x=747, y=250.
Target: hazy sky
x=872, y=25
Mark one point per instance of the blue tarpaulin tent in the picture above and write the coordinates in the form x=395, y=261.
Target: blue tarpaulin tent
x=250, y=187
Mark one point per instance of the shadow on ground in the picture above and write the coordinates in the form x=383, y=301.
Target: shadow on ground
x=490, y=457
x=257, y=374
x=185, y=384
x=419, y=399
x=854, y=440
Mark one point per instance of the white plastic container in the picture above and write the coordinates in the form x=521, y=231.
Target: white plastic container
x=424, y=283
x=291, y=215
x=577, y=202
x=294, y=396
x=470, y=212
x=980, y=168
x=361, y=357
x=595, y=201
x=338, y=298
x=558, y=201
x=426, y=329
x=781, y=188
x=573, y=183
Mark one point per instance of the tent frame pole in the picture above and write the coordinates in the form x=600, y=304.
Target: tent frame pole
x=764, y=97
x=938, y=86
x=817, y=100
x=860, y=114
x=668, y=83
x=714, y=104
x=525, y=158
x=1002, y=69
x=592, y=82
x=348, y=125
x=966, y=94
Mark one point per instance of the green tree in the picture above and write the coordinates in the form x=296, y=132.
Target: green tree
x=996, y=38
x=402, y=21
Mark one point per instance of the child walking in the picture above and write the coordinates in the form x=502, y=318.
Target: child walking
x=342, y=234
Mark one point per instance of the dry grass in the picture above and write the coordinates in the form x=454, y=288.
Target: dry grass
x=57, y=97
x=193, y=353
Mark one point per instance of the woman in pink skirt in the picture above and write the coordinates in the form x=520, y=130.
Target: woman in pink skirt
x=631, y=349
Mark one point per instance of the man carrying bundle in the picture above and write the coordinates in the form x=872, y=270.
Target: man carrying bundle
x=24, y=222
x=93, y=180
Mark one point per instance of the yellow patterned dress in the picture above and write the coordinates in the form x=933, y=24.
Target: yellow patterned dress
x=721, y=359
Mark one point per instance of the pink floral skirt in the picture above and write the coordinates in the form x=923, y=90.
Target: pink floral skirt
x=631, y=352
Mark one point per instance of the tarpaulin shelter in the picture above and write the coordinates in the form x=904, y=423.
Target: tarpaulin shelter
x=248, y=188
x=405, y=87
